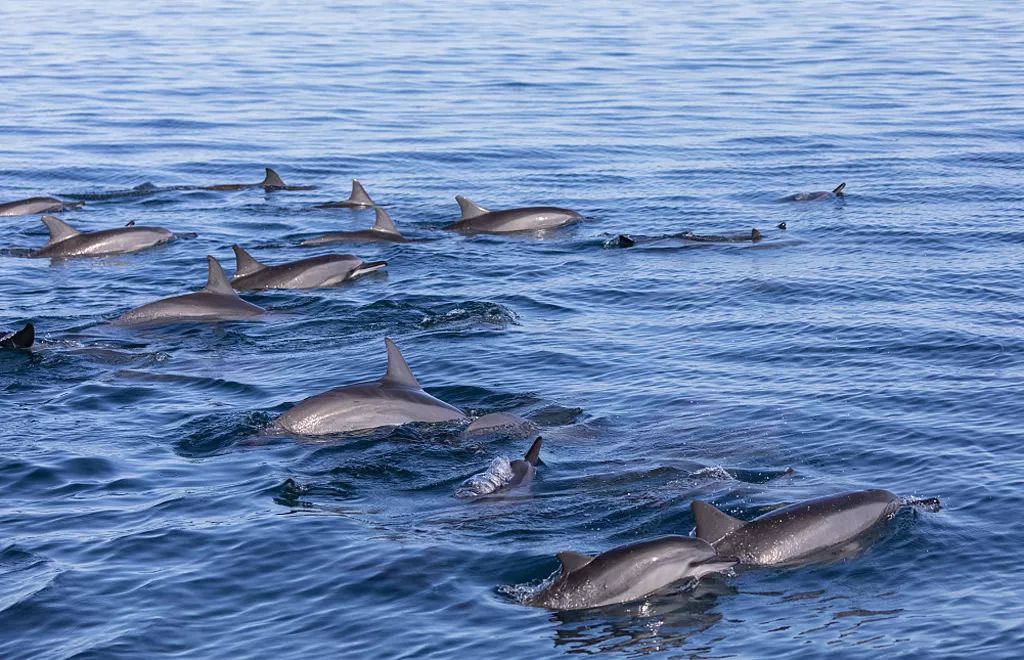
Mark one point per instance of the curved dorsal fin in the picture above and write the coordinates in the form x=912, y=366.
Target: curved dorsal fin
x=23, y=338
x=359, y=194
x=216, y=280
x=384, y=223
x=399, y=372
x=755, y=234
x=470, y=209
x=245, y=264
x=533, y=453
x=713, y=525
x=272, y=180
x=59, y=230
x=573, y=561
x=838, y=190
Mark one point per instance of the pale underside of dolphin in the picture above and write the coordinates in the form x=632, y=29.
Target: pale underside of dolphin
x=383, y=230
x=66, y=241
x=835, y=193
x=23, y=338
x=272, y=182
x=324, y=271
x=359, y=199
x=393, y=400
x=478, y=220
x=217, y=301
x=34, y=205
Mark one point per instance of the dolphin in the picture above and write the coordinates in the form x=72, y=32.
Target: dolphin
x=383, y=230
x=34, y=205
x=524, y=470
x=754, y=236
x=836, y=193
x=395, y=399
x=502, y=475
x=478, y=220
x=800, y=532
x=272, y=182
x=328, y=270
x=66, y=241
x=21, y=339
x=502, y=423
x=359, y=199
x=628, y=572
x=216, y=301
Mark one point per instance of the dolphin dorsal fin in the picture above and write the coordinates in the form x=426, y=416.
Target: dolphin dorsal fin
x=399, y=372
x=713, y=525
x=245, y=264
x=470, y=209
x=573, y=561
x=25, y=337
x=59, y=230
x=216, y=280
x=384, y=223
x=533, y=453
x=272, y=180
x=838, y=190
x=359, y=194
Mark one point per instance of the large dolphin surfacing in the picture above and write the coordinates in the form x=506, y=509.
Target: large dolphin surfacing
x=835, y=193
x=66, y=241
x=393, y=400
x=478, y=220
x=359, y=199
x=34, y=205
x=383, y=230
x=327, y=270
x=23, y=338
x=272, y=182
x=216, y=301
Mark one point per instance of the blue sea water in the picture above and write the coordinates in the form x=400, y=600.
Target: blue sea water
x=877, y=342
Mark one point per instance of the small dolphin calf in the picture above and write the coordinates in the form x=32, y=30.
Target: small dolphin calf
x=395, y=399
x=272, y=182
x=66, y=241
x=836, y=192
x=754, y=236
x=800, y=532
x=328, y=270
x=383, y=230
x=217, y=301
x=628, y=572
x=34, y=205
x=359, y=199
x=21, y=339
x=502, y=475
x=478, y=220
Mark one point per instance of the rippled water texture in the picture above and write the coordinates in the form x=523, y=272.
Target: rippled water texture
x=145, y=512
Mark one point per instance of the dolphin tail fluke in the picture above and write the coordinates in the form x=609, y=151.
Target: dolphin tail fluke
x=359, y=195
x=216, y=280
x=384, y=223
x=272, y=180
x=533, y=454
x=712, y=524
x=398, y=372
x=59, y=230
x=25, y=337
x=838, y=190
x=366, y=267
x=245, y=264
x=572, y=561
x=470, y=209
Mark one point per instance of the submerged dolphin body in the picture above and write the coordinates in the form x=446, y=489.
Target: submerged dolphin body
x=836, y=193
x=383, y=230
x=328, y=270
x=216, y=301
x=395, y=399
x=754, y=236
x=628, y=572
x=66, y=241
x=272, y=182
x=34, y=205
x=478, y=220
x=23, y=338
x=798, y=533
x=359, y=199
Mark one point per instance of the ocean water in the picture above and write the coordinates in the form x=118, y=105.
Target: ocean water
x=876, y=342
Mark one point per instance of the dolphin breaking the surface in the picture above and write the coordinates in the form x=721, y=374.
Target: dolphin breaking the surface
x=272, y=182
x=66, y=241
x=502, y=476
x=835, y=193
x=383, y=230
x=478, y=220
x=34, y=205
x=23, y=338
x=359, y=199
x=327, y=270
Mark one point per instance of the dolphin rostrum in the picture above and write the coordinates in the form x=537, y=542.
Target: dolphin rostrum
x=395, y=399
x=801, y=532
x=628, y=572
x=836, y=193
x=21, y=339
x=66, y=241
x=272, y=182
x=216, y=301
x=359, y=199
x=328, y=270
x=478, y=220
x=34, y=205
x=383, y=230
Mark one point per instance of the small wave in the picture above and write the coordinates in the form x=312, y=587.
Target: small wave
x=497, y=475
x=468, y=314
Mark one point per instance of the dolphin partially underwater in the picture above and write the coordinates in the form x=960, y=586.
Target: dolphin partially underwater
x=359, y=199
x=327, y=270
x=66, y=241
x=216, y=301
x=802, y=532
x=628, y=572
x=272, y=182
x=753, y=236
x=383, y=230
x=393, y=400
x=835, y=193
x=503, y=476
x=478, y=220
x=23, y=338
x=34, y=205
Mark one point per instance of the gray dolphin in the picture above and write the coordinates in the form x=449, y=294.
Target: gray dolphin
x=328, y=270
x=503, y=423
x=836, y=192
x=34, y=205
x=502, y=475
x=524, y=470
x=478, y=220
x=272, y=182
x=800, y=532
x=216, y=301
x=66, y=241
x=21, y=339
x=395, y=399
x=754, y=236
x=359, y=199
x=628, y=572
x=383, y=230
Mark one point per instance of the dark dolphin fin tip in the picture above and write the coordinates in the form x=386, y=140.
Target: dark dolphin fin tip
x=130, y=223
x=245, y=264
x=712, y=524
x=533, y=453
x=359, y=194
x=572, y=561
x=398, y=372
x=838, y=190
x=470, y=209
x=384, y=224
x=755, y=234
x=272, y=180
x=59, y=230
x=781, y=225
x=216, y=280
